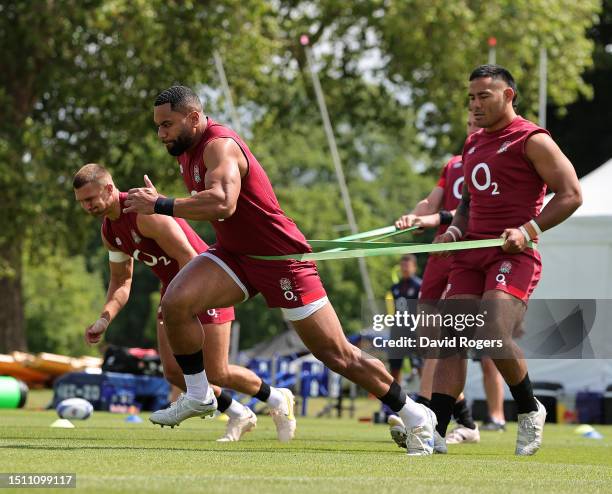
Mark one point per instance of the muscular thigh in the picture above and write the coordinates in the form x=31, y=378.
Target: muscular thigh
x=203, y=285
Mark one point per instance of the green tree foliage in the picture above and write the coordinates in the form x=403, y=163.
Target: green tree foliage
x=63, y=299
x=79, y=83
x=78, y=87
x=433, y=46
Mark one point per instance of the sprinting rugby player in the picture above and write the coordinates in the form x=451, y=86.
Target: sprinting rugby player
x=230, y=189
x=166, y=244
x=507, y=166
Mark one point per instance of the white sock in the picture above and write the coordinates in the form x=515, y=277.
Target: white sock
x=277, y=400
x=236, y=410
x=412, y=413
x=197, y=385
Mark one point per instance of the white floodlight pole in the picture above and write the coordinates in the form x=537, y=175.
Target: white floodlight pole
x=363, y=269
x=226, y=92
x=492, y=42
x=542, y=92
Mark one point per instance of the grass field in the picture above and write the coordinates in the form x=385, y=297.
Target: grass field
x=328, y=455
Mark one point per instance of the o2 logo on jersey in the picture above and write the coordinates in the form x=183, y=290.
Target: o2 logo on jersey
x=457, y=187
x=213, y=313
x=479, y=183
x=150, y=260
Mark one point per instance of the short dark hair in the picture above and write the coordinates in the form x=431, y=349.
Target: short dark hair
x=409, y=257
x=181, y=99
x=496, y=72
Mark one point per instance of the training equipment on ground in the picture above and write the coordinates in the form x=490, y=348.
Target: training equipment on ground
x=113, y=391
x=74, y=408
x=62, y=424
x=13, y=392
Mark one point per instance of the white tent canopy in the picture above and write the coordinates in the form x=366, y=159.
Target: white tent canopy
x=595, y=190
x=577, y=264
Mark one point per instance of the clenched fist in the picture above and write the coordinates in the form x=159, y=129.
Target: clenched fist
x=514, y=241
x=94, y=333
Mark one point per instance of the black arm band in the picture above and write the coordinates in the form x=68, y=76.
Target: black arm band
x=164, y=205
x=446, y=217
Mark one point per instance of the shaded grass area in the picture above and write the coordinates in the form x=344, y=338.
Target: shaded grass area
x=328, y=455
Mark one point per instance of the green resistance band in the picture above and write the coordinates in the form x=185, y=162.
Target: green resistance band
x=378, y=234
x=389, y=251
x=396, y=232
x=371, y=233
x=354, y=244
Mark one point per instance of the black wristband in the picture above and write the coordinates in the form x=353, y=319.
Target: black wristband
x=164, y=205
x=446, y=217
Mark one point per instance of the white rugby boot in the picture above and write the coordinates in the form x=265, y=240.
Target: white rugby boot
x=285, y=420
x=236, y=427
x=420, y=439
x=184, y=408
x=399, y=435
x=397, y=429
x=463, y=434
x=530, y=431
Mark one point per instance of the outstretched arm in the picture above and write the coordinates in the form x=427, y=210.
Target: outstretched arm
x=119, y=287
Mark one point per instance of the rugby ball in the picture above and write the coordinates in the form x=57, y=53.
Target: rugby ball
x=74, y=408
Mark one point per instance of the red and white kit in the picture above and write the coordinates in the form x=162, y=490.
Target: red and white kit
x=258, y=227
x=506, y=192
x=123, y=234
